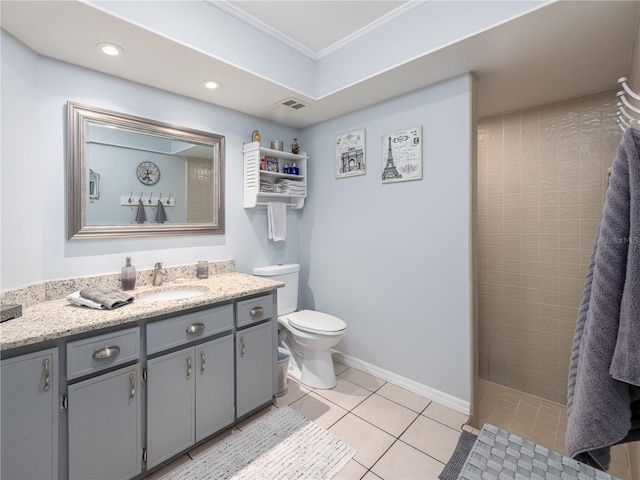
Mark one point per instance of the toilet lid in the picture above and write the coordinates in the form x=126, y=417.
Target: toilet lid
x=315, y=322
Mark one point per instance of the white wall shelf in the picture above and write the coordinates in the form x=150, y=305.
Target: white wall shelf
x=254, y=195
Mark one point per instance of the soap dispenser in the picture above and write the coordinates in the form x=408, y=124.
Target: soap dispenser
x=128, y=275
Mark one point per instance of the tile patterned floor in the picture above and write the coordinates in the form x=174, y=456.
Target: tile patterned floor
x=397, y=434
x=400, y=435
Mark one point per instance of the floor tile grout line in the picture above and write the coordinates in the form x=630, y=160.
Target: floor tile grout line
x=425, y=453
x=329, y=426
x=397, y=403
x=398, y=439
x=408, y=408
x=395, y=438
x=329, y=400
x=445, y=424
x=421, y=412
x=366, y=373
x=380, y=428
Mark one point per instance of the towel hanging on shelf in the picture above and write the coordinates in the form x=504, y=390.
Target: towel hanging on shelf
x=277, y=221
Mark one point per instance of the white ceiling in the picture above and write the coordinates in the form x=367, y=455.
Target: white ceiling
x=563, y=50
x=334, y=22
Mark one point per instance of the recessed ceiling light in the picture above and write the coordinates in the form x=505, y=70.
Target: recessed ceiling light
x=110, y=49
x=211, y=84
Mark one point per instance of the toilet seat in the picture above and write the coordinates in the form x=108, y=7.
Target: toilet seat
x=316, y=322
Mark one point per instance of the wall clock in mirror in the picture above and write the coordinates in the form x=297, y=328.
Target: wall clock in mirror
x=148, y=173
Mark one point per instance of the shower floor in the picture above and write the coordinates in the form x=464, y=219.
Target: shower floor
x=536, y=419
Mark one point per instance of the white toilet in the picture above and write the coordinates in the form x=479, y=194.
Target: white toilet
x=306, y=334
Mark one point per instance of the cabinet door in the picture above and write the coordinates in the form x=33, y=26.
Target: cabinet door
x=214, y=386
x=170, y=405
x=30, y=416
x=105, y=425
x=255, y=365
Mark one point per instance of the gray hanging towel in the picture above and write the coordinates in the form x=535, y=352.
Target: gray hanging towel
x=141, y=215
x=604, y=369
x=161, y=216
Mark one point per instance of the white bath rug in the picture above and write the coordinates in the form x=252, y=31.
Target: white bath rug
x=282, y=445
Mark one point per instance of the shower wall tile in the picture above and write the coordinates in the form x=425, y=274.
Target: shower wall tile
x=542, y=178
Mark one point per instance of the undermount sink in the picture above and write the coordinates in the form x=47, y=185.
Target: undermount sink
x=173, y=294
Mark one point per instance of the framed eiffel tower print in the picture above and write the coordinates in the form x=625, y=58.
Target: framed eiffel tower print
x=350, y=154
x=402, y=155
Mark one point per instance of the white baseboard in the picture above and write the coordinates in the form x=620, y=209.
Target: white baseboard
x=437, y=396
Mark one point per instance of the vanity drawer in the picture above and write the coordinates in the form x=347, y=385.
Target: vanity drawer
x=165, y=334
x=255, y=310
x=93, y=354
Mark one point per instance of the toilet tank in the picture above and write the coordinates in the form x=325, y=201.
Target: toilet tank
x=287, y=295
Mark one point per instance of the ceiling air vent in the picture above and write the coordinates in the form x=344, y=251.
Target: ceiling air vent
x=290, y=102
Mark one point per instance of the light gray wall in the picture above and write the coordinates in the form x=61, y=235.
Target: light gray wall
x=21, y=178
x=34, y=248
x=393, y=260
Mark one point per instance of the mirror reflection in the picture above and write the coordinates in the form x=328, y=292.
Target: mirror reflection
x=131, y=176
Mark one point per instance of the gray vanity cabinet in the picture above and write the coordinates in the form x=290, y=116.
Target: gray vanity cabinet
x=29, y=416
x=105, y=426
x=255, y=354
x=170, y=405
x=104, y=407
x=189, y=391
x=215, y=407
x=126, y=401
x=254, y=386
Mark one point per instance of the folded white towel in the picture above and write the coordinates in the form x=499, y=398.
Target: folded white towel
x=77, y=299
x=277, y=221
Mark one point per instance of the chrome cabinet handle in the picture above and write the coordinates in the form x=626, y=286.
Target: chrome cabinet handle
x=106, y=352
x=195, y=328
x=132, y=387
x=203, y=364
x=47, y=376
x=188, y=367
x=243, y=348
x=256, y=311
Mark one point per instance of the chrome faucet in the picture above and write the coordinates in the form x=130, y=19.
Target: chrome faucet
x=158, y=274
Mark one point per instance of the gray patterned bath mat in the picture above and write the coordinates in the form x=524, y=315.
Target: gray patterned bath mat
x=282, y=445
x=454, y=465
x=500, y=455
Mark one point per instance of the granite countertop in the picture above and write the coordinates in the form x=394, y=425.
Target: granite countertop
x=55, y=319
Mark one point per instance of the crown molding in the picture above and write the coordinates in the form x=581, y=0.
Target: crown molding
x=380, y=21
x=276, y=34
x=258, y=24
